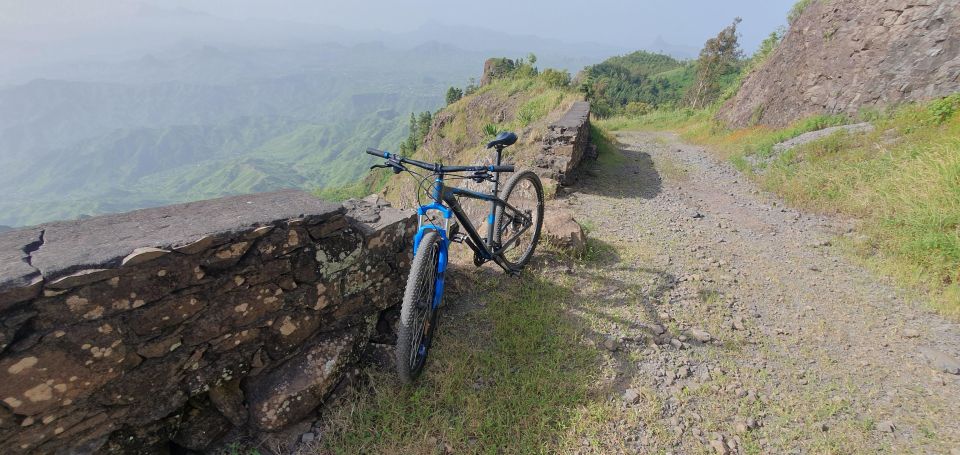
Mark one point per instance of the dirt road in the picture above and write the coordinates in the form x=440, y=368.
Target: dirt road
x=800, y=350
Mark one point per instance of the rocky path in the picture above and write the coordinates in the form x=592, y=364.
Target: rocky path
x=732, y=324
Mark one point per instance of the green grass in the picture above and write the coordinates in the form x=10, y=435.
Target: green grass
x=658, y=119
x=902, y=182
x=372, y=183
x=907, y=193
x=538, y=107
x=239, y=449
x=511, y=377
x=607, y=152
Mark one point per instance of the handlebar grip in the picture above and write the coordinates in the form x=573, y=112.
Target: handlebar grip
x=378, y=153
x=503, y=168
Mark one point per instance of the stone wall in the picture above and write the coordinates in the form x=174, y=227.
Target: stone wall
x=175, y=326
x=843, y=55
x=566, y=144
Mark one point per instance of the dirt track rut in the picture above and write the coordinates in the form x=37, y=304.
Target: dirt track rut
x=808, y=351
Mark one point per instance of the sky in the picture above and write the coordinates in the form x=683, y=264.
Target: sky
x=618, y=23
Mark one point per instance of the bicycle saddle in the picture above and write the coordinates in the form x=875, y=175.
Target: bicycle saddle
x=503, y=139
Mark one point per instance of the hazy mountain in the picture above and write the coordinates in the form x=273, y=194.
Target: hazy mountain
x=207, y=122
x=101, y=39
x=679, y=51
x=115, y=105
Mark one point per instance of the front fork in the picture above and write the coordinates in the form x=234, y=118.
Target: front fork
x=422, y=229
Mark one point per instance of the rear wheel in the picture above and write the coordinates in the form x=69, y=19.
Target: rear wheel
x=518, y=228
x=418, y=317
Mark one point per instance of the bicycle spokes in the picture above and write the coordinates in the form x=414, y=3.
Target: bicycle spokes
x=424, y=308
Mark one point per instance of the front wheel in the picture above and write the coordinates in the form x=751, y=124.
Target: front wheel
x=519, y=222
x=418, y=314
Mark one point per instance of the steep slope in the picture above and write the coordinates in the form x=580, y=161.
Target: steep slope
x=524, y=105
x=842, y=56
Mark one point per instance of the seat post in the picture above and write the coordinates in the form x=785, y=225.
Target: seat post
x=493, y=205
x=496, y=181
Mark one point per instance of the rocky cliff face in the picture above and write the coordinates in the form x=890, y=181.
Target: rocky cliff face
x=170, y=328
x=842, y=55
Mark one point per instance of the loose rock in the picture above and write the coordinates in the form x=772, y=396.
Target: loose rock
x=699, y=335
x=941, y=361
x=886, y=426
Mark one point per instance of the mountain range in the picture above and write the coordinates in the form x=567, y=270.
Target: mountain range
x=220, y=107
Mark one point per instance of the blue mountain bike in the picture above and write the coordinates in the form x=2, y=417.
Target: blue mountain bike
x=513, y=230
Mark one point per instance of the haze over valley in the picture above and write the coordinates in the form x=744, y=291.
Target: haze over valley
x=112, y=106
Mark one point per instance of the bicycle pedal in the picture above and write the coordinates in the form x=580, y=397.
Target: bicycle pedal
x=458, y=238
x=478, y=261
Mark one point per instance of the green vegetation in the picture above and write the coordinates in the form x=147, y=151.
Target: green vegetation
x=538, y=107
x=555, y=78
x=943, y=109
x=902, y=182
x=453, y=95
x=517, y=97
x=505, y=68
x=797, y=10
x=193, y=127
x=534, y=94
x=509, y=375
x=373, y=182
x=639, y=83
x=719, y=65
x=417, y=131
x=635, y=82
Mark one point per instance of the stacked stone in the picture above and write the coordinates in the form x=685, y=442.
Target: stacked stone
x=185, y=322
x=566, y=144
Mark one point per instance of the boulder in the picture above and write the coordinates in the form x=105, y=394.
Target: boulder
x=286, y=395
x=561, y=229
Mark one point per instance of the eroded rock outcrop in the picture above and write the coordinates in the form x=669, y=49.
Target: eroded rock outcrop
x=183, y=323
x=842, y=55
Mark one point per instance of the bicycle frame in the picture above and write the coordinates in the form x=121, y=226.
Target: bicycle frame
x=445, y=201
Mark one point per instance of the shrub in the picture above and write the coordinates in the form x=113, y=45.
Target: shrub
x=555, y=78
x=491, y=129
x=718, y=67
x=637, y=108
x=944, y=108
x=453, y=95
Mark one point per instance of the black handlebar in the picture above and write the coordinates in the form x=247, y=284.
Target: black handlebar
x=380, y=153
x=434, y=167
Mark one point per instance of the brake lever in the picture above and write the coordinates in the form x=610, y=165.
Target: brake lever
x=480, y=177
x=396, y=167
